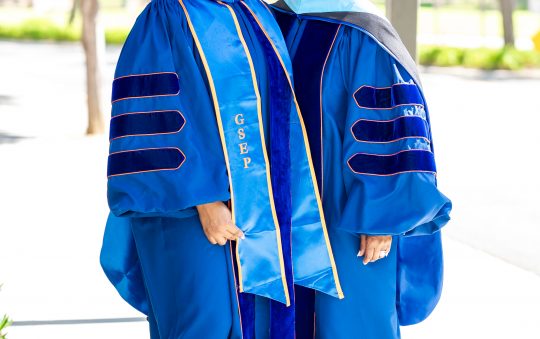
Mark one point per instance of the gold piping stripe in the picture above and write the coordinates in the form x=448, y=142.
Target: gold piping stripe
x=235, y=290
x=217, y=111
x=321, y=106
x=263, y=142
x=313, y=177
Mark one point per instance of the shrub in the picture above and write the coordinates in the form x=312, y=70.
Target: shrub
x=116, y=36
x=44, y=29
x=480, y=58
x=483, y=58
x=39, y=29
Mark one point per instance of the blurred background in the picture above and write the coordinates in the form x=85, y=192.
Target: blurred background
x=481, y=72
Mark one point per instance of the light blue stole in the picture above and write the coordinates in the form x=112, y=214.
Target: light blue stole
x=237, y=104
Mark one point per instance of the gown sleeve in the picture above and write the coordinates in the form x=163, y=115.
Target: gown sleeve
x=388, y=158
x=165, y=152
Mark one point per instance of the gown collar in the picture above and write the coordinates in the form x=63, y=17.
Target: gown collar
x=322, y=6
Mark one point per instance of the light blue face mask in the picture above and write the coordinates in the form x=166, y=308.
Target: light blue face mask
x=319, y=6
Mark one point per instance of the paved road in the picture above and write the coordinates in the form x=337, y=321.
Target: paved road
x=52, y=205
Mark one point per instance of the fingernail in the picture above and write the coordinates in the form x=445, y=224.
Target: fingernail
x=243, y=237
x=359, y=254
x=365, y=263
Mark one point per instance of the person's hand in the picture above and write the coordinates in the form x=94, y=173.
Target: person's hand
x=372, y=246
x=216, y=221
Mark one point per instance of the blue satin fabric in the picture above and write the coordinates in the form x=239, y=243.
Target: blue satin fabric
x=185, y=299
x=239, y=109
x=369, y=309
x=272, y=317
x=308, y=231
x=406, y=205
x=121, y=264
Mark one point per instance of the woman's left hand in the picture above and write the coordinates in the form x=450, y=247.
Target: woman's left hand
x=372, y=246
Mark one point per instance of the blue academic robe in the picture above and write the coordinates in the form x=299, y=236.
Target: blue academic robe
x=203, y=110
x=371, y=141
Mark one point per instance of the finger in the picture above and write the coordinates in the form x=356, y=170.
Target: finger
x=362, y=245
x=221, y=240
x=229, y=232
x=368, y=257
x=378, y=250
x=229, y=236
x=235, y=231
x=212, y=240
x=387, y=247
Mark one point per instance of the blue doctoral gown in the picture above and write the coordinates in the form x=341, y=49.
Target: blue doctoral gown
x=203, y=111
x=370, y=136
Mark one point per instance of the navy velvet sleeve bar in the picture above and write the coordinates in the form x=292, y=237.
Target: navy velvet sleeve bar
x=146, y=123
x=384, y=165
x=145, y=160
x=388, y=97
x=145, y=85
x=390, y=130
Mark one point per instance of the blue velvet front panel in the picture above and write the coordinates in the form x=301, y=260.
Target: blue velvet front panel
x=309, y=62
x=402, y=162
x=285, y=22
x=280, y=101
x=390, y=130
x=311, y=53
x=146, y=123
x=145, y=85
x=388, y=97
x=144, y=160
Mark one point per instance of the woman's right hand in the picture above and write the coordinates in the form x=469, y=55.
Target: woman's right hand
x=217, y=224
